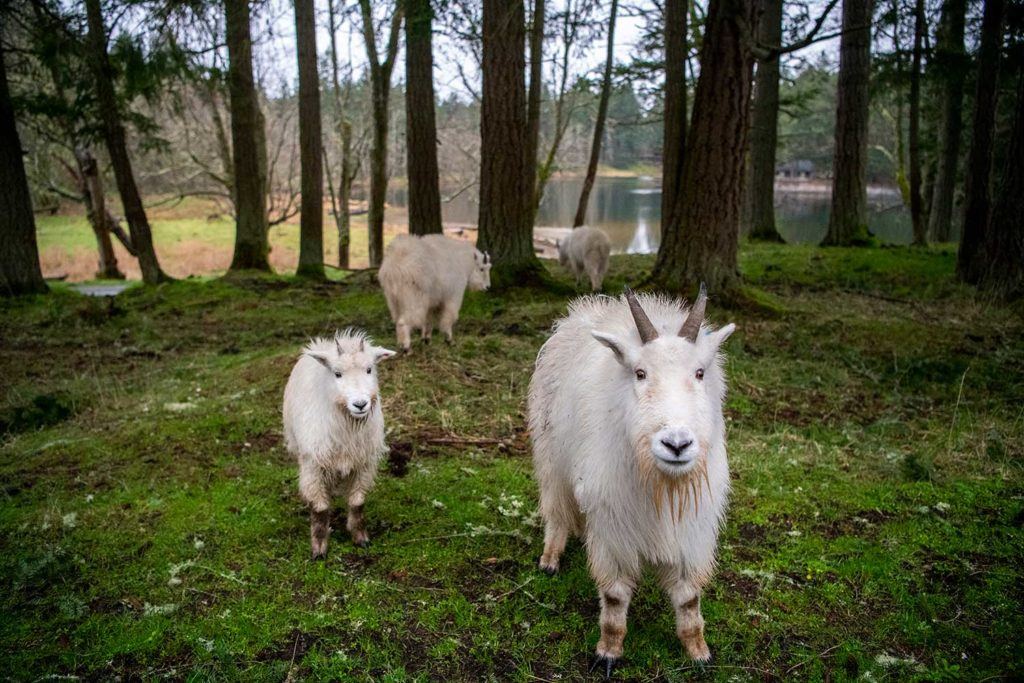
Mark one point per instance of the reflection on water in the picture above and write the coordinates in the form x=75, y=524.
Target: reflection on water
x=629, y=211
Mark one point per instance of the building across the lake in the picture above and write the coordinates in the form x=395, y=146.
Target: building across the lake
x=798, y=169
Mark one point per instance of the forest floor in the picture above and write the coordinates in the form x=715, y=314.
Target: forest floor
x=150, y=524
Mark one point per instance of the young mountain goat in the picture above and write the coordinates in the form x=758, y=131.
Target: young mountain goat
x=585, y=252
x=424, y=280
x=625, y=411
x=334, y=426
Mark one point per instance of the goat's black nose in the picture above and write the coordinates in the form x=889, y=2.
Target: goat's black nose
x=359, y=405
x=677, y=448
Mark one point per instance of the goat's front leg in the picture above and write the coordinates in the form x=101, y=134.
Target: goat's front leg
x=315, y=493
x=685, y=597
x=616, y=590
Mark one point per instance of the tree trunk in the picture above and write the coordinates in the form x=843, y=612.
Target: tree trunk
x=311, y=221
x=674, y=146
x=380, y=88
x=247, y=144
x=420, y=126
x=1003, y=272
x=505, y=219
x=916, y=206
x=700, y=240
x=602, y=115
x=96, y=209
x=533, y=101
x=949, y=65
x=114, y=135
x=847, y=221
x=977, y=192
x=19, y=254
x=764, y=124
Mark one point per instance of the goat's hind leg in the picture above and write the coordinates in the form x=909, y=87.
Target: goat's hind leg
x=561, y=519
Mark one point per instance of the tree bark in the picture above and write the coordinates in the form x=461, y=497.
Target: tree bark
x=533, y=102
x=916, y=206
x=847, y=222
x=96, y=209
x=1003, y=272
x=977, y=191
x=950, y=68
x=764, y=126
x=602, y=115
x=700, y=240
x=19, y=254
x=674, y=145
x=506, y=229
x=380, y=88
x=114, y=135
x=420, y=124
x=247, y=144
x=311, y=221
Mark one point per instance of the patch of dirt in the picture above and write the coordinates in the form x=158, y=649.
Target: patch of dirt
x=861, y=524
x=399, y=457
x=292, y=648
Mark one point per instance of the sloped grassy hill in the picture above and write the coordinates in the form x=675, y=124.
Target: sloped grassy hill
x=150, y=525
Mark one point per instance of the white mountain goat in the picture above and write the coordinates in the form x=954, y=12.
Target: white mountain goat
x=625, y=412
x=334, y=426
x=585, y=252
x=424, y=280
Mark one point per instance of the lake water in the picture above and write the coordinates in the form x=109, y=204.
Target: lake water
x=629, y=211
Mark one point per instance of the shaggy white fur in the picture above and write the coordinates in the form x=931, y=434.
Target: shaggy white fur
x=424, y=280
x=585, y=252
x=629, y=452
x=334, y=426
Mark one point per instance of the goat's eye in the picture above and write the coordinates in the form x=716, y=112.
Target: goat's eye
x=337, y=374
x=641, y=374
x=369, y=370
x=700, y=373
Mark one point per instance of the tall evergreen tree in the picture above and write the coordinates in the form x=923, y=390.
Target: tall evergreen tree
x=420, y=124
x=764, y=129
x=247, y=141
x=19, y=254
x=700, y=239
x=311, y=222
x=506, y=221
x=949, y=67
x=847, y=221
x=978, y=193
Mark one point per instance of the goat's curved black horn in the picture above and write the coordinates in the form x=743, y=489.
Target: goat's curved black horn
x=643, y=323
x=691, y=326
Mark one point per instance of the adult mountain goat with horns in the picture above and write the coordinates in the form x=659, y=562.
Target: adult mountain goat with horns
x=625, y=411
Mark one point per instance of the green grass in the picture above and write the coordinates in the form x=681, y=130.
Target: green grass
x=151, y=527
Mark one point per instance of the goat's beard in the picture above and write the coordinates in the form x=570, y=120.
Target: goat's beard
x=675, y=491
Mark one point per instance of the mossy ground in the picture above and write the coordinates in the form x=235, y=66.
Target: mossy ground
x=150, y=524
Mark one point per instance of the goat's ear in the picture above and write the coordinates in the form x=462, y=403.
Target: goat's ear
x=621, y=349
x=322, y=360
x=716, y=338
x=380, y=353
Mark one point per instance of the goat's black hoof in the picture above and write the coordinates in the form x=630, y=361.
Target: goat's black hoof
x=318, y=556
x=550, y=571
x=365, y=543
x=604, y=666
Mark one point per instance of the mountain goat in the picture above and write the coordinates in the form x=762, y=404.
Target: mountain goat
x=424, y=280
x=334, y=426
x=625, y=414
x=585, y=252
